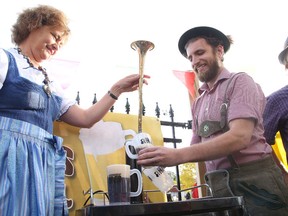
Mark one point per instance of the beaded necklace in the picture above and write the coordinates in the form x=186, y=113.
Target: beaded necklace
x=46, y=80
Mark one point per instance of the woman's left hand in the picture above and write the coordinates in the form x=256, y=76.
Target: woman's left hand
x=128, y=84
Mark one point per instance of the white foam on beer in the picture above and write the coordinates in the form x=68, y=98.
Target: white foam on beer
x=121, y=169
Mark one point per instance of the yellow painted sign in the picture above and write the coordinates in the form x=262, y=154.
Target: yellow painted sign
x=279, y=150
x=95, y=148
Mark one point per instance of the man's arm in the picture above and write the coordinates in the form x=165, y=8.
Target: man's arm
x=237, y=138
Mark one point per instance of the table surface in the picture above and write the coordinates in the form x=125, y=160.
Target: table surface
x=188, y=207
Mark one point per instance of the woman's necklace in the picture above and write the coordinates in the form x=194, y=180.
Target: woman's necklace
x=46, y=80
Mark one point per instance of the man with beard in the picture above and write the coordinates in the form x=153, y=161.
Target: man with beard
x=227, y=129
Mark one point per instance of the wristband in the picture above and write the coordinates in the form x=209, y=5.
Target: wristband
x=112, y=95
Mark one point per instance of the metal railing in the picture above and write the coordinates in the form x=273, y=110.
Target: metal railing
x=146, y=194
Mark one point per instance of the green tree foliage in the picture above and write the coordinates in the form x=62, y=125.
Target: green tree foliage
x=173, y=176
x=187, y=175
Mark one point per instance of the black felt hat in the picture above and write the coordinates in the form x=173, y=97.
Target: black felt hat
x=284, y=52
x=202, y=31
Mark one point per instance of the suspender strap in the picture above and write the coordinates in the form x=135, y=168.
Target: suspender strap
x=224, y=109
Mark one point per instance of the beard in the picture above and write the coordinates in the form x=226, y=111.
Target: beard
x=211, y=73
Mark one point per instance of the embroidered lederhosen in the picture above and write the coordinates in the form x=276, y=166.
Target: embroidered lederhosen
x=265, y=198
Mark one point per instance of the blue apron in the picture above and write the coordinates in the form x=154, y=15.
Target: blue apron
x=32, y=160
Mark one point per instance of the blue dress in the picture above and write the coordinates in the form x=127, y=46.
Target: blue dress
x=32, y=160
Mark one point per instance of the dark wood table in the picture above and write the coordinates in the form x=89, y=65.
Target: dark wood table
x=203, y=206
